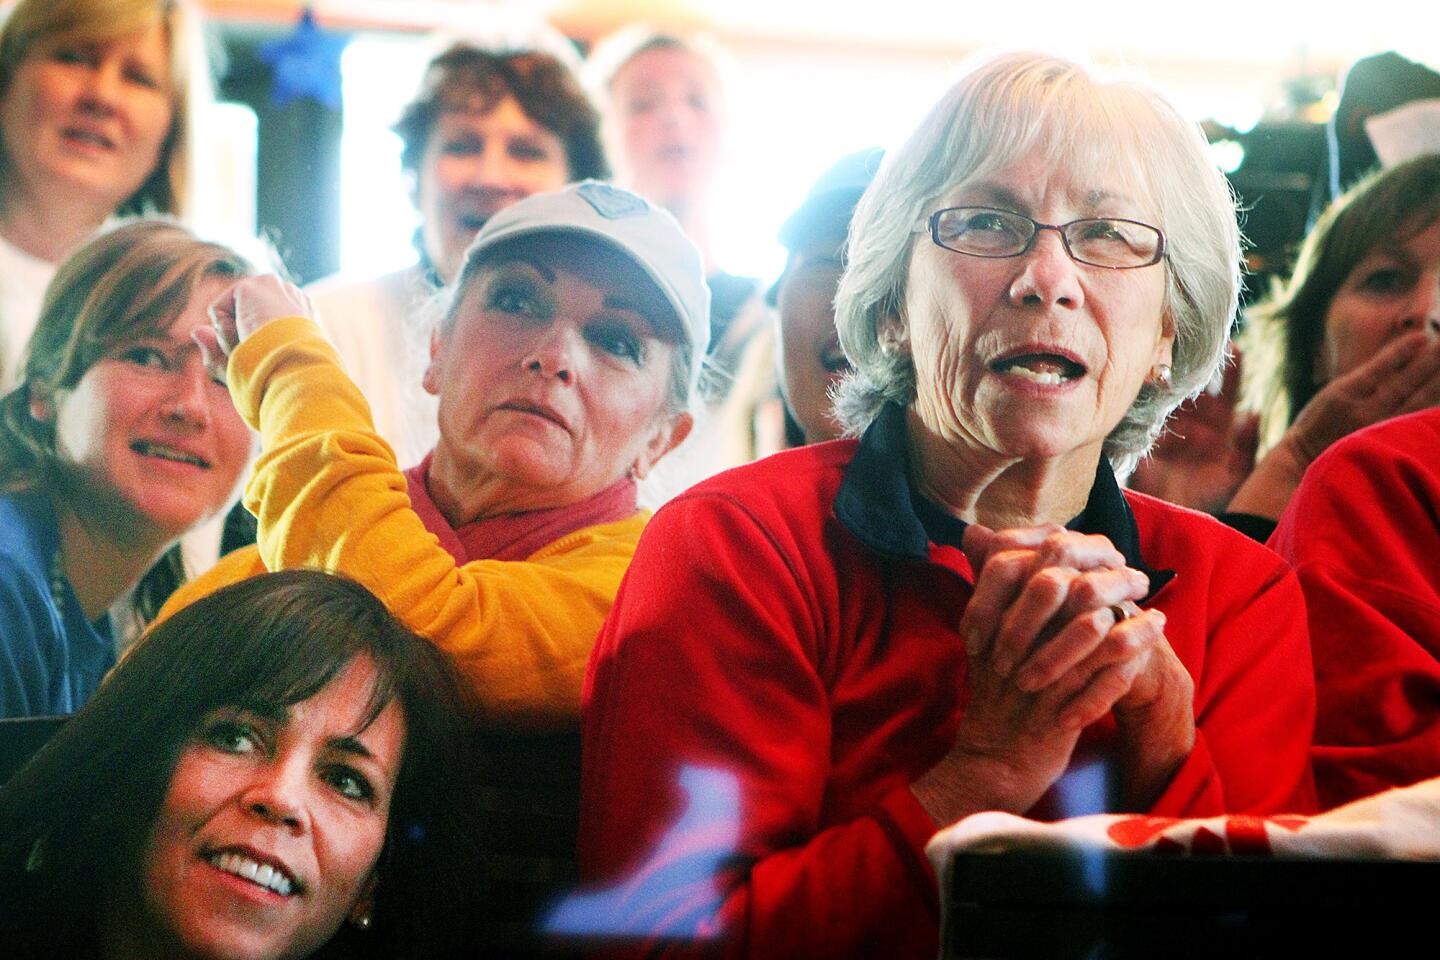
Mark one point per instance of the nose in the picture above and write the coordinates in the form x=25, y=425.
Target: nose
x=101, y=91
x=1432, y=305
x=188, y=404
x=493, y=169
x=276, y=795
x=1048, y=276
x=553, y=353
x=1423, y=310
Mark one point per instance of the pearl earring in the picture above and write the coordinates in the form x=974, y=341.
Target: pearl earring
x=1160, y=375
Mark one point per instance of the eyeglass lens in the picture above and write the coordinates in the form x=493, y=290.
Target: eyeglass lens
x=987, y=232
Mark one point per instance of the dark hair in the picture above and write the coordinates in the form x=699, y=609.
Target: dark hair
x=270, y=641
x=128, y=283
x=1287, y=332
x=467, y=77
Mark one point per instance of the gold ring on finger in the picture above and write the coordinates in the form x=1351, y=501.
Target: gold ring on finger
x=1124, y=610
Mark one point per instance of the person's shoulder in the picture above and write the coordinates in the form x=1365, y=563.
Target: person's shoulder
x=20, y=518
x=1176, y=537
x=793, y=490
x=1413, y=437
x=235, y=566
x=789, y=478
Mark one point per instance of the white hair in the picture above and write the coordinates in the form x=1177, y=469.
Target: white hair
x=1009, y=106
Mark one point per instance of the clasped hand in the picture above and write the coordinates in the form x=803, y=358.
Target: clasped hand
x=1052, y=648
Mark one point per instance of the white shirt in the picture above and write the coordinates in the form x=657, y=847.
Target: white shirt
x=23, y=280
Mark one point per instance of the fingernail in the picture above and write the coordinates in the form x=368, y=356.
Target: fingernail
x=972, y=640
x=1001, y=666
x=1028, y=681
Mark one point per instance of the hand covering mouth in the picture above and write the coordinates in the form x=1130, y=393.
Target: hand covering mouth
x=1040, y=367
x=149, y=448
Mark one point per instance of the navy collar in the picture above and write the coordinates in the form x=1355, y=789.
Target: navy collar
x=880, y=506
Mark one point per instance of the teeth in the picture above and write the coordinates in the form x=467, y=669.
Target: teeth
x=261, y=874
x=1047, y=377
x=169, y=453
x=94, y=138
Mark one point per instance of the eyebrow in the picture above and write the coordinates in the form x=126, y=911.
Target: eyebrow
x=351, y=745
x=612, y=300
x=532, y=262
x=1002, y=196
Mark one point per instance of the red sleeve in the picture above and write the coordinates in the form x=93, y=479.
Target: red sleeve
x=707, y=740
x=1364, y=535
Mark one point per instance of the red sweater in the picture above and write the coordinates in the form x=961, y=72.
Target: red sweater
x=786, y=640
x=1363, y=532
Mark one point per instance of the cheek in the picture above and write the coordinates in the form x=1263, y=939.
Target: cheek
x=235, y=438
x=156, y=122
x=84, y=422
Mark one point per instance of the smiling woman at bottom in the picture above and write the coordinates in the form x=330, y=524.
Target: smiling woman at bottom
x=275, y=772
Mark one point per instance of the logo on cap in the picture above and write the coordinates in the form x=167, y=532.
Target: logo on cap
x=612, y=203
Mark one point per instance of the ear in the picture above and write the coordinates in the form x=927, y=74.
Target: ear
x=668, y=435
x=431, y=380
x=364, y=907
x=893, y=335
x=1165, y=345
x=42, y=406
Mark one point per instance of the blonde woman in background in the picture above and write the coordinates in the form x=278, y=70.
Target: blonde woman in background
x=96, y=106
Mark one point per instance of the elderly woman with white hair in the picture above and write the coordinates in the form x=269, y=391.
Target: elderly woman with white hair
x=843, y=648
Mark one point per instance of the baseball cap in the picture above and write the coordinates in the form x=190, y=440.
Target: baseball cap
x=629, y=224
x=831, y=201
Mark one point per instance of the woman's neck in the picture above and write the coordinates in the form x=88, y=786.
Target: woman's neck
x=982, y=487
x=48, y=225
x=102, y=557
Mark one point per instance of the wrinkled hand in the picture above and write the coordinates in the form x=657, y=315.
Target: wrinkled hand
x=253, y=302
x=1402, y=378
x=1047, y=658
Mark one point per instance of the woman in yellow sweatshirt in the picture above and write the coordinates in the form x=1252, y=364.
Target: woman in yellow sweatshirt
x=564, y=363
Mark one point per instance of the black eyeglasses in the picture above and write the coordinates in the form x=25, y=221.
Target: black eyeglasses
x=1098, y=241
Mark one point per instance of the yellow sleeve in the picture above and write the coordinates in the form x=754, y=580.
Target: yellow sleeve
x=328, y=494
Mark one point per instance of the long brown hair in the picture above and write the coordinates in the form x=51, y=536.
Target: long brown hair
x=128, y=283
x=1286, y=332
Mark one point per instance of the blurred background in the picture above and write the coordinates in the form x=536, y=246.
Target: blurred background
x=309, y=158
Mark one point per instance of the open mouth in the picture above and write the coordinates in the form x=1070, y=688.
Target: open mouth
x=834, y=361
x=89, y=137
x=1047, y=369
x=271, y=877
x=163, y=452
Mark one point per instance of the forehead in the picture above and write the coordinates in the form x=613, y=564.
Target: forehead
x=665, y=65
x=502, y=116
x=146, y=40
x=589, y=261
x=343, y=706
x=1087, y=173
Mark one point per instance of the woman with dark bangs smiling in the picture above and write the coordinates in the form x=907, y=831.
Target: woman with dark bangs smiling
x=277, y=771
